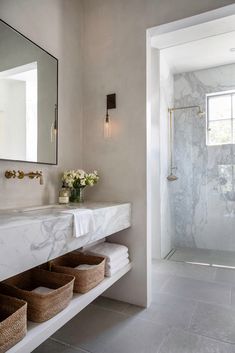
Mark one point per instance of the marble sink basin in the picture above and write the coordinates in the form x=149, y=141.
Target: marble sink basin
x=48, y=208
x=44, y=207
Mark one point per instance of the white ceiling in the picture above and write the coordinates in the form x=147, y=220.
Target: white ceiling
x=201, y=54
x=198, y=47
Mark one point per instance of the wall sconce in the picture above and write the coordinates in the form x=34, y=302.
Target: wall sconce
x=110, y=104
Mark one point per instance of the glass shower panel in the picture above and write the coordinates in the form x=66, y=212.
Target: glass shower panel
x=203, y=203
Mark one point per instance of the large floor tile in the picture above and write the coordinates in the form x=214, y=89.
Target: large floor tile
x=169, y=310
x=199, y=290
x=225, y=276
x=92, y=327
x=117, y=306
x=163, y=266
x=232, y=349
x=50, y=346
x=214, y=321
x=159, y=280
x=180, y=341
x=104, y=331
x=205, y=273
x=138, y=336
x=233, y=297
x=111, y=304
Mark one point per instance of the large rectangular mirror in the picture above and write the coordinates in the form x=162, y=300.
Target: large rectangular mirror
x=28, y=100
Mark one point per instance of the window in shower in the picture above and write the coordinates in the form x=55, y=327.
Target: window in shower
x=220, y=118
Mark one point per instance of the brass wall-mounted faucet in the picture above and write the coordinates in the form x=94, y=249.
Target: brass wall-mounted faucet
x=20, y=175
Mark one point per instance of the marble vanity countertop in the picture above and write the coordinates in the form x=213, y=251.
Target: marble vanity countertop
x=17, y=217
x=32, y=236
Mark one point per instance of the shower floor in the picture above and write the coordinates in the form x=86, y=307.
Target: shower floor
x=216, y=258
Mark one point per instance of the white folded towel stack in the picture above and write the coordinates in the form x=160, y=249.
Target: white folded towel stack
x=42, y=290
x=83, y=221
x=116, y=255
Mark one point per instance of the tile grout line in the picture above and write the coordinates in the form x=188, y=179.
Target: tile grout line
x=204, y=336
x=68, y=345
x=228, y=306
x=116, y=311
x=164, y=340
x=161, y=289
x=193, y=313
x=209, y=337
x=209, y=280
x=212, y=280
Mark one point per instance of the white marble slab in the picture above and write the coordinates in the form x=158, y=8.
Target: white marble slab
x=28, y=239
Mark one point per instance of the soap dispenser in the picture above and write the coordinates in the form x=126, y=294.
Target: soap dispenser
x=63, y=195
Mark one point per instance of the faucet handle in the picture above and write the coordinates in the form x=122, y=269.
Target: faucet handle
x=10, y=174
x=20, y=174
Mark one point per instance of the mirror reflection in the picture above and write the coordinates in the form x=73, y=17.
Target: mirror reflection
x=28, y=100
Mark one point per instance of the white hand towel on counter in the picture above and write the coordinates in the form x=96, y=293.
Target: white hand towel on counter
x=110, y=251
x=83, y=221
x=110, y=272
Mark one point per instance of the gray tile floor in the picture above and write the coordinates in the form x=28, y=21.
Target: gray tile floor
x=193, y=311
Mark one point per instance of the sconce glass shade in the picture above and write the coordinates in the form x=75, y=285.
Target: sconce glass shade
x=107, y=127
x=53, y=133
x=54, y=126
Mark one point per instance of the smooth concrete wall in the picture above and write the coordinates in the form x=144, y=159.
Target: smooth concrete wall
x=55, y=25
x=115, y=61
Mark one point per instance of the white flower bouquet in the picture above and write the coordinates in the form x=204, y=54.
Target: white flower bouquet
x=77, y=180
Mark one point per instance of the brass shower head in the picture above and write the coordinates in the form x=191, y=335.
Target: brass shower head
x=200, y=113
x=172, y=177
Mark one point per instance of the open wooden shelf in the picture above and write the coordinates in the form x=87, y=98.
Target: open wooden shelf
x=38, y=333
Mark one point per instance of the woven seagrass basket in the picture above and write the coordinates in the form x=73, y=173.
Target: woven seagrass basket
x=41, y=307
x=85, y=279
x=13, y=321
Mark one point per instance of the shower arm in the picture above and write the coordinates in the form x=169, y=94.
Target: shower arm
x=183, y=108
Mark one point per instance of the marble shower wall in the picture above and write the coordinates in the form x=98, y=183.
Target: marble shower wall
x=204, y=195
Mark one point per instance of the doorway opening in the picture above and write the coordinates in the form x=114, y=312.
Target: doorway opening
x=190, y=136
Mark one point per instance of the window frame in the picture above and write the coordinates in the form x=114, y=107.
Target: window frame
x=232, y=118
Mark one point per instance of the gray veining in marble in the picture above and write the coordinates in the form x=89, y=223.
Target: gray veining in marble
x=204, y=202
x=28, y=239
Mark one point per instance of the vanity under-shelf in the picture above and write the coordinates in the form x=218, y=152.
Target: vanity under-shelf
x=32, y=236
